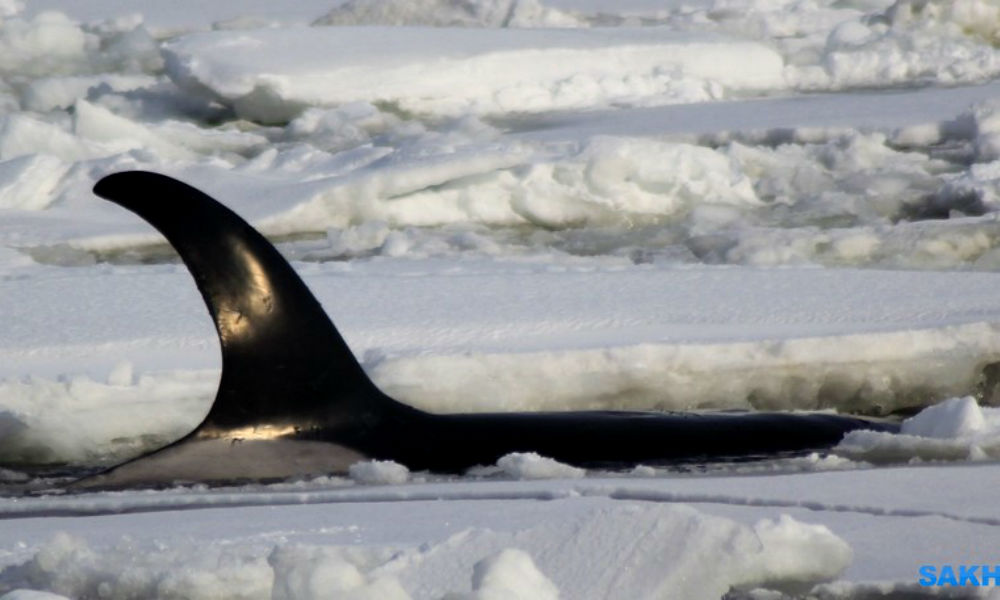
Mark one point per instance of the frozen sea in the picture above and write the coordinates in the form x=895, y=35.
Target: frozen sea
x=515, y=205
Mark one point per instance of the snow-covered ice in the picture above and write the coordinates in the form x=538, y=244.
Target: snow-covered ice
x=515, y=205
x=271, y=75
x=113, y=345
x=529, y=465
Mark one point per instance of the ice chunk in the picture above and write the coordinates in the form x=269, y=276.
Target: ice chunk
x=449, y=13
x=272, y=75
x=956, y=429
x=508, y=575
x=379, y=472
x=530, y=465
x=31, y=595
x=953, y=418
x=317, y=573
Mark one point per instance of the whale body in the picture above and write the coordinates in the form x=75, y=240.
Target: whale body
x=294, y=402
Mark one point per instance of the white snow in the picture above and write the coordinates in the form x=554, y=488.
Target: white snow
x=185, y=15
x=529, y=465
x=379, y=471
x=450, y=13
x=508, y=574
x=956, y=417
x=270, y=75
x=514, y=205
x=528, y=552
x=317, y=572
x=956, y=429
x=116, y=345
x=31, y=595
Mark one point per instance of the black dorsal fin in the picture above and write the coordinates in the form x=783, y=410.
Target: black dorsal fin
x=283, y=361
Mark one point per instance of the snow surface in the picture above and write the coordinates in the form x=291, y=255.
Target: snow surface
x=81, y=365
x=514, y=205
x=524, y=70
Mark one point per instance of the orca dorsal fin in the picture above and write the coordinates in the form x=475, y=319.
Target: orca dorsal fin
x=283, y=361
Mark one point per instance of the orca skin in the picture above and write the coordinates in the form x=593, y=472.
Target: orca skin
x=293, y=401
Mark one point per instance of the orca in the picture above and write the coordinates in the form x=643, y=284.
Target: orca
x=294, y=402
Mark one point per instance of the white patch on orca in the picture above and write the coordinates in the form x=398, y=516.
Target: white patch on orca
x=207, y=460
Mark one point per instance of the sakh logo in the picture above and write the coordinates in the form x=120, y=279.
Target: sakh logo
x=960, y=575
